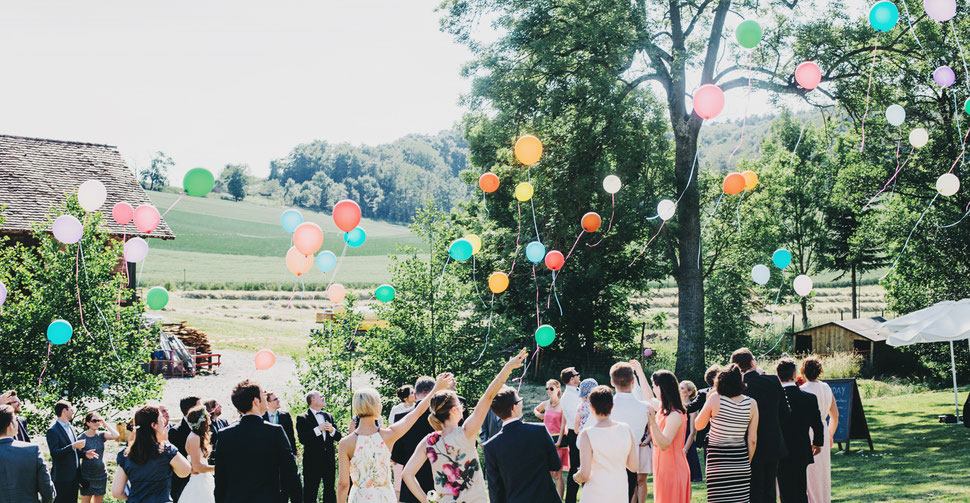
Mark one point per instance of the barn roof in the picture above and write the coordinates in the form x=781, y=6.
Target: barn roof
x=868, y=328
x=36, y=174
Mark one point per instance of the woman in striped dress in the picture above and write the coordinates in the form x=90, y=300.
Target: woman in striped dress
x=733, y=417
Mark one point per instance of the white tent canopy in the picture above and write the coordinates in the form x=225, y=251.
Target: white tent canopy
x=947, y=321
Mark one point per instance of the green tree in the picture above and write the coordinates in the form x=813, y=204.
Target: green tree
x=234, y=178
x=156, y=175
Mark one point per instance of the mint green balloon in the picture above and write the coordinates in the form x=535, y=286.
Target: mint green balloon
x=545, y=335
x=385, y=293
x=966, y=106
x=156, y=298
x=748, y=34
x=198, y=182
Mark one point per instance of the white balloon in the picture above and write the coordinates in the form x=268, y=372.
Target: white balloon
x=136, y=249
x=760, y=274
x=666, y=209
x=612, y=184
x=802, y=285
x=895, y=114
x=67, y=229
x=91, y=194
x=918, y=137
x=947, y=184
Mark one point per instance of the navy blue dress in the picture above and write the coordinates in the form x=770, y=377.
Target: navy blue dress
x=150, y=482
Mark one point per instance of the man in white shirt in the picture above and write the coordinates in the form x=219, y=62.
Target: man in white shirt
x=570, y=401
x=628, y=408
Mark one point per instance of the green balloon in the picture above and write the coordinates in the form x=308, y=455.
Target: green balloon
x=748, y=34
x=198, y=182
x=545, y=335
x=966, y=106
x=385, y=293
x=156, y=298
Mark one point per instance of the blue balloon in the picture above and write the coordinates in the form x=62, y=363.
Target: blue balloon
x=290, y=219
x=781, y=258
x=883, y=15
x=59, y=332
x=355, y=237
x=326, y=260
x=461, y=250
x=535, y=252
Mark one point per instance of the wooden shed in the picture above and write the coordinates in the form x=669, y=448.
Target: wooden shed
x=861, y=335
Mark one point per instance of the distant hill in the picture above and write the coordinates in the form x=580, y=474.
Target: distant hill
x=718, y=140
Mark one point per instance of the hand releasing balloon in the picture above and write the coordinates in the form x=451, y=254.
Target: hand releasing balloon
x=781, y=258
x=488, y=182
x=498, y=282
x=91, y=195
x=808, y=75
x=59, y=332
x=733, y=183
x=545, y=335
x=385, y=293
x=346, y=214
x=326, y=260
x=666, y=209
x=308, y=238
x=760, y=274
x=290, y=219
x=535, y=251
x=802, y=285
x=265, y=359
x=461, y=250
x=708, y=101
x=612, y=184
x=883, y=15
x=555, y=260
x=748, y=34
x=528, y=150
x=146, y=218
x=198, y=182
x=523, y=192
x=895, y=115
x=947, y=184
x=297, y=262
x=67, y=229
x=591, y=222
x=135, y=250
x=123, y=213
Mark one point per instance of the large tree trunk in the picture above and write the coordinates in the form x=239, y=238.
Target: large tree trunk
x=690, y=277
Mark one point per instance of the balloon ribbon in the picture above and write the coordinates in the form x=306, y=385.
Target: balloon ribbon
x=491, y=304
x=899, y=167
x=906, y=244
x=662, y=224
x=515, y=254
x=875, y=49
x=608, y=227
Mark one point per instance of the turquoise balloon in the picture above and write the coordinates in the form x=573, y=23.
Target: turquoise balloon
x=385, y=293
x=545, y=335
x=883, y=15
x=535, y=252
x=461, y=250
x=966, y=106
x=290, y=219
x=781, y=258
x=355, y=237
x=59, y=332
x=326, y=261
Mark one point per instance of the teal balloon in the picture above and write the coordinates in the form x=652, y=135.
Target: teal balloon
x=461, y=250
x=748, y=34
x=198, y=182
x=535, y=252
x=883, y=15
x=355, y=237
x=156, y=298
x=781, y=258
x=545, y=335
x=385, y=293
x=290, y=219
x=326, y=261
x=966, y=106
x=59, y=332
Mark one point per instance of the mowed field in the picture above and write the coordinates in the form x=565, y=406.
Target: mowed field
x=222, y=243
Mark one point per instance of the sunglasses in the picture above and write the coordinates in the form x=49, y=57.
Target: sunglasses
x=550, y=388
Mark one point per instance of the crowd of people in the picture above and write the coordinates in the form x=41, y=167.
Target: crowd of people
x=763, y=437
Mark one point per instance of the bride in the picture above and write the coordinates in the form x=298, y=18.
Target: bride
x=201, y=486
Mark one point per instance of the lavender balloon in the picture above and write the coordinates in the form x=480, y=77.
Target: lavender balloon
x=944, y=76
x=940, y=10
x=67, y=229
x=3, y=293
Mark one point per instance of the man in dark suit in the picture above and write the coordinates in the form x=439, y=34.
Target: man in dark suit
x=274, y=415
x=773, y=411
x=254, y=456
x=24, y=475
x=10, y=398
x=63, y=443
x=405, y=446
x=177, y=437
x=792, y=469
x=519, y=458
x=319, y=436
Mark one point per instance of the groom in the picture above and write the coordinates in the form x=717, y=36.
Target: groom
x=254, y=456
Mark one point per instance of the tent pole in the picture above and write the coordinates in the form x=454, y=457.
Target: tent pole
x=953, y=367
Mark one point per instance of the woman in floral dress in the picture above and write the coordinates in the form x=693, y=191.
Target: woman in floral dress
x=451, y=448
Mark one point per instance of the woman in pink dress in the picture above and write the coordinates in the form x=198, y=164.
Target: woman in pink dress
x=668, y=427
x=550, y=412
x=820, y=472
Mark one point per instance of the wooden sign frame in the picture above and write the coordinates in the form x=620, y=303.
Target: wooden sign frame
x=851, y=413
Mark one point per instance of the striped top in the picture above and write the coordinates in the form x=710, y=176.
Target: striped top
x=730, y=424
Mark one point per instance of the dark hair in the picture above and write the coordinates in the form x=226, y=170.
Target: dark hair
x=621, y=374
x=811, y=368
x=601, y=400
x=423, y=385
x=743, y=358
x=198, y=419
x=210, y=404
x=60, y=406
x=504, y=402
x=405, y=391
x=145, y=445
x=186, y=404
x=6, y=417
x=785, y=369
x=441, y=404
x=88, y=417
x=711, y=374
x=243, y=395
x=729, y=382
x=11, y=394
x=669, y=391
x=567, y=374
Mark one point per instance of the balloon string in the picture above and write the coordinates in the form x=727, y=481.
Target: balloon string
x=292, y=295
x=442, y=280
x=107, y=327
x=744, y=121
x=555, y=293
x=962, y=151
x=960, y=46
x=912, y=29
x=475, y=282
x=797, y=143
x=127, y=277
x=576, y=243
x=179, y=198
x=484, y=205
x=901, y=252
x=77, y=286
x=487, y=332
x=526, y=369
x=771, y=323
x=534, y=223
x=689, y=178
x=518, y=233
x=957, y=222
x=899, y=167
x=875, y=49
x=610, y=226
x=536, y=281
x=335, y=269
x=963, y=143
x=662, y=224
x=46, y=360
x=716, y=205
x=737, y=209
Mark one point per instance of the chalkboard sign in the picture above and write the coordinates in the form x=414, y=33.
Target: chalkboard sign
x=852, y=417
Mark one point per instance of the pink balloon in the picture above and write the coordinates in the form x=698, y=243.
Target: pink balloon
x=808, y=75
x=67, y=229
x=308, y=238
x=297, y=262
x=146, y=218
x=647, y=352
x=346, y=214
x=265, y=359
x=123, y=213
x=708, y=101
x=940, y=10
x=336, y=293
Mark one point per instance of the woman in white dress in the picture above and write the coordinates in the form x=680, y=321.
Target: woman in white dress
x=201, y=486
x=820, y=472
x=607, y=450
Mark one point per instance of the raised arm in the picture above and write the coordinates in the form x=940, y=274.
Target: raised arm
x=410, y=473
x=753, y=430
x=474, y=422
x=646, y=392
x=398, y=429
x=665, y=437
x=112, y=433
x=180, y=465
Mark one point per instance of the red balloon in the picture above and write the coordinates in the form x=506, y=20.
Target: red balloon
x=346, y=214
x=488, y=182
x=591, y=222
x=555, y=260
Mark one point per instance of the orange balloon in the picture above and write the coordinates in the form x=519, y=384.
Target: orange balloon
x=297, y=262
x=308, y=238
x=591, y=222
x=750, y=180
x=488, y=182
x=528, y=150
x=733, y=183
x=498, y=282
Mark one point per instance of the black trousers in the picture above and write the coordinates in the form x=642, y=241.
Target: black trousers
x=313, y=476
x=793, y=482
x=763, y=474
x=572, y=488
x=66, y=492
x=631, y=484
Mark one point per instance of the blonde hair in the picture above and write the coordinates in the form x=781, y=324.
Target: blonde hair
x=367, y=402
x=691, y=389
x=441, y=404
x=553, y=382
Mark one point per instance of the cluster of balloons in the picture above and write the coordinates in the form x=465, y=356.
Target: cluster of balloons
x=308, y=237
x=156, y=298
x=781, y=258
x=736, y=182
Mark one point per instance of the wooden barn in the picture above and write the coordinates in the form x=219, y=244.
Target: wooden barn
x=861, y=335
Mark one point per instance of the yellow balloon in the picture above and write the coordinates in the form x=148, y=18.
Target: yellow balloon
x=750, y=180
x=523, y=191
x=528, y=150
x=476, y=243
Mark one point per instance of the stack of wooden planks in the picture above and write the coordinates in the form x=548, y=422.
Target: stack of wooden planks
x=190, y=336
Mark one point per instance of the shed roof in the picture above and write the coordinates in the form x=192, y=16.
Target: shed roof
x=868, y=328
